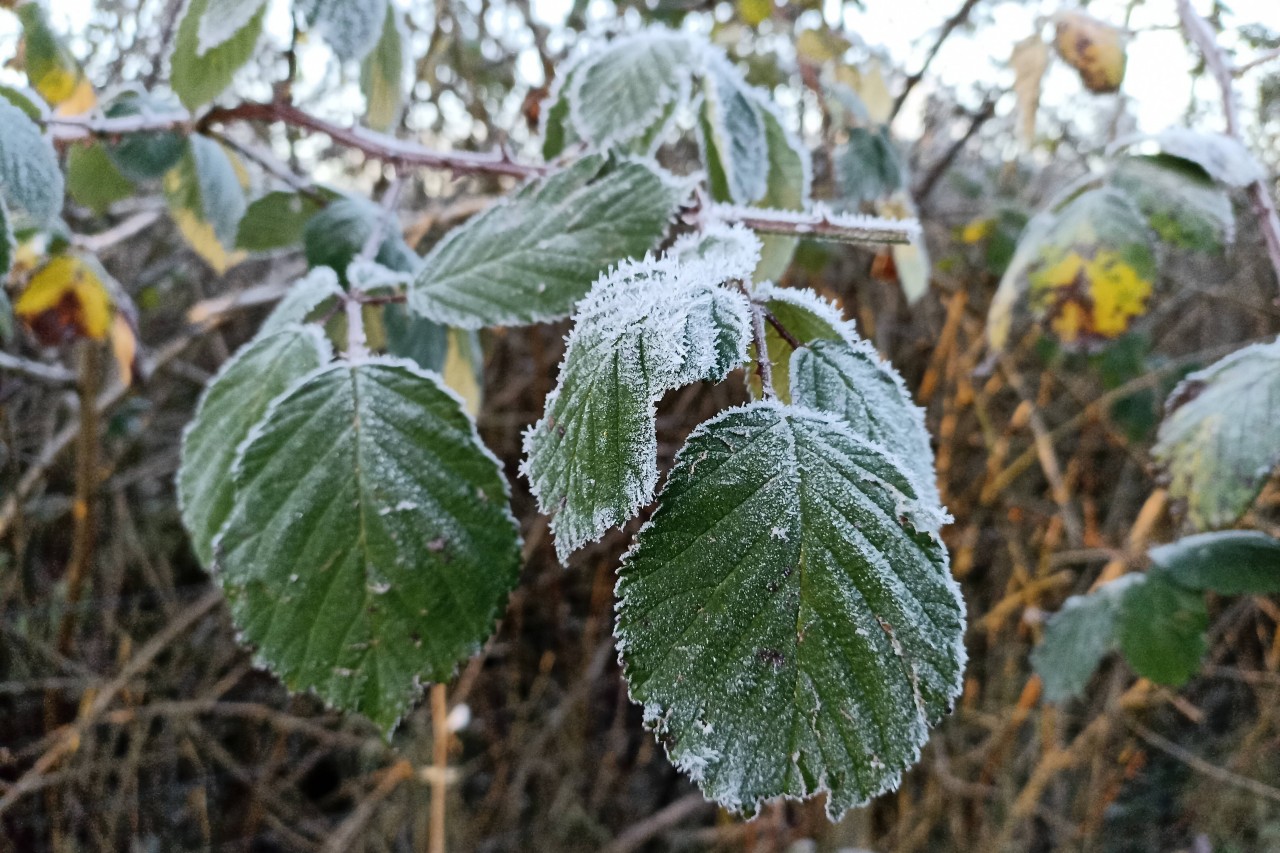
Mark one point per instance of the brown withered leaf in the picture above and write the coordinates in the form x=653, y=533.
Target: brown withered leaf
x=1093, y=48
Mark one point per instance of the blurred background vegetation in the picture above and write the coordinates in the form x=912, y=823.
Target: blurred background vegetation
x=1042, y=459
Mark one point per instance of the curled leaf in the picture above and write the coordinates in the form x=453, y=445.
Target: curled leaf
x=1093, y=48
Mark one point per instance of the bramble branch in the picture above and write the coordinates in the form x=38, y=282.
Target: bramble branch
x=819, y=223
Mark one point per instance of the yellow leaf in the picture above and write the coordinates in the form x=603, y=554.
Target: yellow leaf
x=1089, y=298
x=124, y=345
x=819, y=46
x=65, y=300
x=1093, y=48
x=80, y=101
x=869, y=83
x=1029, y=61
x=755, y=12
x=461, y=369
x=204, y=240
x=977, y=230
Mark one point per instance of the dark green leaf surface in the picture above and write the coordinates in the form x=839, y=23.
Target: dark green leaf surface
x=1162, y=629
x=642, y=331
x=371, y=548
x=275, y=221
x=787, y=618
x=1078, y=637
x=1231, y=562
x=144, y=156
x=868, y=165
x=232, y=404
x=93, y=180
x=531, y=258
x=336, y=236
x=849, y=380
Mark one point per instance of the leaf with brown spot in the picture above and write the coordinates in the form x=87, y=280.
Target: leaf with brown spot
x=1093, y=48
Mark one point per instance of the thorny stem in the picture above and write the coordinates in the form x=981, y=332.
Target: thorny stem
x=794, y=342
x=764, y=369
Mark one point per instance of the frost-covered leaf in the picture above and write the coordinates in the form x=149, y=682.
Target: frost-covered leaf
x=27, y=100
x=620, y=92
x=198, y=77
x=30, y=179
x=349, y=27
x=221, y=20
x=1093, y=48
x=1078, y=637
x=849, y=380
x=1161, y=626
x=143, y=156
x=1222, y=156
x=336, y=236
x=807, y=318
x=416, y=338
x=233, y=402
x=7, y=246
x=305, y=296
x=734, y=126
x=1220, y=439
x=558, y=132
x=642, y=331
x=1086, y=272
x=731, y=250
x=382, y=75
x=93, y=180
x=1229, y=562
x=207, y=200
x=868, y=166
x=1182, y=204
x=370, y=548
x=531, y=258
x=275, y=221
x=787, y=618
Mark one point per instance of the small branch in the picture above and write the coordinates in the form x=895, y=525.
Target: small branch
x=976, y=121
x=379, y=146
x=1198, y=764
x=440, y=764
x=956, y=20
x=764, y=368
x=820, y=223
x=1220, y=66
x=50, y=374
x=794, y=342
x=1261, y=59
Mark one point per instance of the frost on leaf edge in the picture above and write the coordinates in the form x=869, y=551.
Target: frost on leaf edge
x=891, y=782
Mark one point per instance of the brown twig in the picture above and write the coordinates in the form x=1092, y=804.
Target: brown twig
x=440, y=764
x=956, y=20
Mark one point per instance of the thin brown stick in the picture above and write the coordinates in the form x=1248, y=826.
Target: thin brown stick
x=956, y=20
x=440, y=762
x=1198, y=764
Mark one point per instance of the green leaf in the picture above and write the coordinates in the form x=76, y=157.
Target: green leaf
x=303, y=299
x=807, y=318
x=1231, y=562
x=1220, y=438
x=350, y=27
x=275, y=221
x=206, y=198
x=51, y=67
x=734, y=126
x=232, y=403
x=642, y=331
x=198, y=77
x=30, y=180
x=371, y=547
x=868, y=166
x=382, y=76
x=787, y=618
x=143, y=156
x=336, y=236
x=788, y=188
x=849, y=380
x=93, y=179
x=558, y=132
x=530, y=258
x=1085, y=272
x=417, y=338
x=1078, y=637
x=619, y=93
x=1223, y=157
x=7, y=322
x=27, y=100
x=1161, y=628
x=1181, y=203
x=221, y=20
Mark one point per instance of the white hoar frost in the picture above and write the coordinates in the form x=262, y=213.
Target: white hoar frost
x=643, y=330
